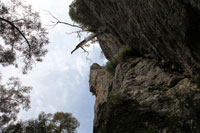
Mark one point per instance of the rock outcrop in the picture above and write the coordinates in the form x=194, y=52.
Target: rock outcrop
x=167, y=31
x=146, y=97
x=154, y=90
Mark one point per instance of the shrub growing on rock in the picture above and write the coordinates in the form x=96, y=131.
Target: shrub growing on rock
x=81, y=14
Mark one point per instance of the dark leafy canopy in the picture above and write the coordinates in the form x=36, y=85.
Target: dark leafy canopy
x=12, y=96
x=46, y=123
x=22, y=40
x=64, y=122
x=81, y=14
x=21, y=35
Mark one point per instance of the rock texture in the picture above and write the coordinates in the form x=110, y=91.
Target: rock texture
x=154, y=90
x=150, y=98
x=100, y=83
x=166, y=30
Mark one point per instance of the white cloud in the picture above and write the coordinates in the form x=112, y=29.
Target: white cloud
x=60, y=82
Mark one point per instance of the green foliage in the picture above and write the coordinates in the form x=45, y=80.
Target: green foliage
x=22, y=35
x=113, y=100
x=13, y=96
x=111, y=65
x=126, y=116
x=46, y=123
x=81, y=14
x=65, y=122
x=124, y=54
x=23, y=41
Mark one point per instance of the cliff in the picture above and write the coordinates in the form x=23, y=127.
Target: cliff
x=152, y=89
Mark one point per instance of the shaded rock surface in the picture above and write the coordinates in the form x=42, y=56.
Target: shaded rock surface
x=150, y=97
x=155, y=90
x=166, y=30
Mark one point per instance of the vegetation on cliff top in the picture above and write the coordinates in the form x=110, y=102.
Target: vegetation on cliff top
x=81, y=14
x=124, y=54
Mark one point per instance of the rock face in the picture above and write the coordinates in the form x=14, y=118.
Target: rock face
x=154, y=90
x=147, y=98
x=167, y=31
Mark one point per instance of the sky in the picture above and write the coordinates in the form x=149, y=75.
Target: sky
x=61, y=81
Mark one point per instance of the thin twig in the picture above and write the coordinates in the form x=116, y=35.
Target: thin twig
x=61, y=22
x=76, y=32
x=85, y=50
x=17, y=20
x=84, y=42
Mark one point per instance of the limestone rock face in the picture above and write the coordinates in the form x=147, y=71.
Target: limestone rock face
x=100, y=83
x=150, y=99
x=166, y=30
x=109, y=50
x=154, y=90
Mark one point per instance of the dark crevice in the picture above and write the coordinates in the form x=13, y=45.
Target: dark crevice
x=193, y=31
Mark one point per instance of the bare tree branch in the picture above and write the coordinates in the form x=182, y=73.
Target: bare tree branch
x=10, y=23
x=84, y=42
x=62, y=22
x=78, y=32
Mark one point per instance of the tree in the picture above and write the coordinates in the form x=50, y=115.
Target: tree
x=18, y=128
x=21, y=35
x=12, y=96
x=64, y=122
x=86, y=20
x=22, y=40
x=46, y=123
x=81, y=14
